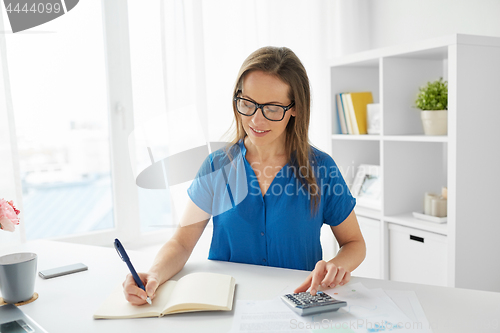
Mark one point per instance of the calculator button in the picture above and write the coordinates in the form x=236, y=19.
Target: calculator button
x=305, y=304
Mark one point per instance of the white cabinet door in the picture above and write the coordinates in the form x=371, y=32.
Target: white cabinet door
x=417, y=256
x=370, y=267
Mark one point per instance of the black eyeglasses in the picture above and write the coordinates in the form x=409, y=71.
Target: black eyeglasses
x=271, y=112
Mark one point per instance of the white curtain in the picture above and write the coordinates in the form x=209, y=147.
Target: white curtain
x=10, y=184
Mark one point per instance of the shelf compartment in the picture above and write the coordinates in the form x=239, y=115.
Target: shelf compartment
x=408, y=220
x=402, y=78
x=349, y=154
x=352, y=79
x=409, y=170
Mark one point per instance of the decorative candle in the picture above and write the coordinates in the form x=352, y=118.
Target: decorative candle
x=444, y=192
x=428, y=202
x=439, y=207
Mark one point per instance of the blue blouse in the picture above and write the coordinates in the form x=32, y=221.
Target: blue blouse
x=277, y=229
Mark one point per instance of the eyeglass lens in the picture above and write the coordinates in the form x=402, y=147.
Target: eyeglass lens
x=271, y=112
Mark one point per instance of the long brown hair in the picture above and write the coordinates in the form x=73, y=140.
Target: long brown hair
x=286, y=66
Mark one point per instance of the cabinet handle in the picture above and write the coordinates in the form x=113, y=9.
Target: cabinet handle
x=418, y=239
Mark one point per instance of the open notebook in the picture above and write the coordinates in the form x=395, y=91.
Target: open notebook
x=193, y=292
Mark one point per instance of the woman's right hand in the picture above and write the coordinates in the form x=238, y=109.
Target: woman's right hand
x=134, y=294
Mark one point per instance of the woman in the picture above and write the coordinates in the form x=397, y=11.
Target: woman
x=269, y=192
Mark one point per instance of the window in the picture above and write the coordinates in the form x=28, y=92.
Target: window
x=59, y=94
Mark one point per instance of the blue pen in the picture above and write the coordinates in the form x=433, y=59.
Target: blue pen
x=123, y=254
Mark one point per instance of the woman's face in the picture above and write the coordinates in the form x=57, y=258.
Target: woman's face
x=263, y=88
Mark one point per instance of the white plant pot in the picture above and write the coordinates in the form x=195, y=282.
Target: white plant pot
x=435, y=122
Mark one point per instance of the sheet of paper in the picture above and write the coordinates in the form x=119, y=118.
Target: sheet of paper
x=367, y=312
x=265, y=317
x=408, y=302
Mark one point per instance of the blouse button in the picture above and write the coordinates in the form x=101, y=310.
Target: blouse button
x=262, y=234
x=263, y=260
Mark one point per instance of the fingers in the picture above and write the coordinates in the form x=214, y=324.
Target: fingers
x=151, y=286
x=347, y=278
x=330, y=276
x=134, y=294
x=334, y=277
x=326, y=275
x=317, y=276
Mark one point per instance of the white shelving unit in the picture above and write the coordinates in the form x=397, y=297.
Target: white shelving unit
x=464, y=251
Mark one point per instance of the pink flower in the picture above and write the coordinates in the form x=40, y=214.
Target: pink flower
x=6, y=224
x=8, y=215
x=12, y=204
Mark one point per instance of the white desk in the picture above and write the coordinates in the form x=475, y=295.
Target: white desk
x=67, y=303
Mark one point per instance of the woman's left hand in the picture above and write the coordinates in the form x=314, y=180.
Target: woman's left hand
x=325, y=274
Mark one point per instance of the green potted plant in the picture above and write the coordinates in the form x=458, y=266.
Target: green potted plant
x=432, y=100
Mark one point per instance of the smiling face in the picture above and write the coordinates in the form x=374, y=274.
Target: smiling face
x=263, y=88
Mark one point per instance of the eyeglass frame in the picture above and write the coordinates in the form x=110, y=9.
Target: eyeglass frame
x=261, y=107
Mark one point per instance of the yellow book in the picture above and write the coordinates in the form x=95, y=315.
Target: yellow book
x=193, y=292
x=358, y=101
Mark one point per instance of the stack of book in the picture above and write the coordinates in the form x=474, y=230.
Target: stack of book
x=351, y=112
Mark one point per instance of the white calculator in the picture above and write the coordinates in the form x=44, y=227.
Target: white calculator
x=306, y=304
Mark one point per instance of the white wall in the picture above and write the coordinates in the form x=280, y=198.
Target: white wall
x=348, y=27
x=401, y=21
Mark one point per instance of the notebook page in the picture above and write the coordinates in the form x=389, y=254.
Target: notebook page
x=202, y=288
x=116, y=306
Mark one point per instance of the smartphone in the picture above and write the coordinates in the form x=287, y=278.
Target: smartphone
x=54, y=272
